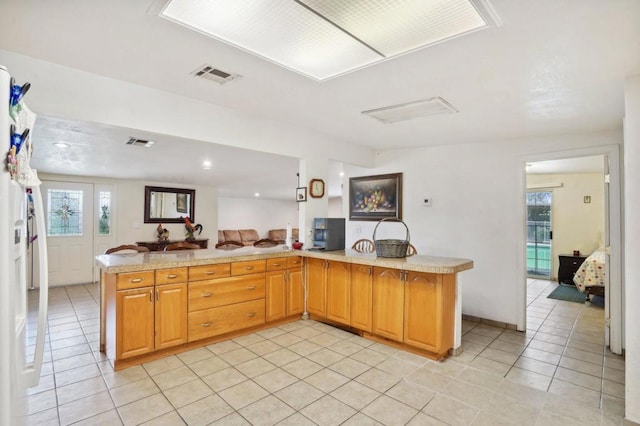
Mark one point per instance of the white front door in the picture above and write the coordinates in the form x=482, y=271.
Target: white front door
x=70, y=227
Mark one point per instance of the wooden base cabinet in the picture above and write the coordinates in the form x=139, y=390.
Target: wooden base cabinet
x=316, y=286
x=328, y=289
x=414, y=308
x=429, y=304
x=339, y=292
x=361, y=293
x=171, y=315
x=285, y=290
x=134, y=322
x=388, y=303
x=295, y=286
x=150, y=317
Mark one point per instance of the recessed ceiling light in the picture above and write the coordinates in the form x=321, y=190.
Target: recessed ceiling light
x=341, y=174
x=323, y=39
x=206, y=164
x=63, y=145
x=257, y=194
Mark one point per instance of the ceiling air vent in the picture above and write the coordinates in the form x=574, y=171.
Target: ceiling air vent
x=140, y=142
x=411, y=110
x=210, y=73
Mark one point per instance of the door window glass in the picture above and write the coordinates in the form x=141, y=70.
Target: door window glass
x=104, y=215
x=65, y=212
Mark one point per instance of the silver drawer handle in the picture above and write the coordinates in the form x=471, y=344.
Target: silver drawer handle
x=207, y=294
x=276, y=264
x=210, y=273
x=253, y=287
x=251, y=314
x=172, y=276
x=136, y=280
x=248, y=268
x=205, y=324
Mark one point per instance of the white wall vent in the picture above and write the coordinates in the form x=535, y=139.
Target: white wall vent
x=411, y=110
x=140, y=142
x=210, y=73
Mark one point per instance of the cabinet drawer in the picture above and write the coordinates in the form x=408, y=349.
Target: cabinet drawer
x=294, y=261
x=127, y=280
x=171, y=275
x=215, y=321
x=276, y=264
x=206, y=272
x=248, y=267
x=225, y=291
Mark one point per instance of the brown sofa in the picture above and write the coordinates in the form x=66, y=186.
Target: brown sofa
x=279, y=235
x=246, y=236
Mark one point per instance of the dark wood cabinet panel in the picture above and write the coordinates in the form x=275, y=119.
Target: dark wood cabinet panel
x=567, y=267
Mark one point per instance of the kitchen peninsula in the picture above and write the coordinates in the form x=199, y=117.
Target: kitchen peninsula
x=156, y=304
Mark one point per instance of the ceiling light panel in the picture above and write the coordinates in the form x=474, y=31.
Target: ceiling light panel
x=411, y=110
x=278, y=30
x=326, y=38
x=394, y=27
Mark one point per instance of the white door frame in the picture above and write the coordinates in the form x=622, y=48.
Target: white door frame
x=616, y=285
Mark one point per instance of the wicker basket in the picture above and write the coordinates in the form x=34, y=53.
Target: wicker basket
x=391, y=248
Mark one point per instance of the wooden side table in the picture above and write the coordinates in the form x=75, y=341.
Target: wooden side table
x=160, y=245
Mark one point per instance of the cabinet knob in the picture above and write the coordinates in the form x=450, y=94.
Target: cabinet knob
x=205, y=324
x=171, y=276
x=210, y=273
x=276, y=264
x=248, y=268
x=251, y=314
x=253, y=287
x=136, y=280
x=207, y=294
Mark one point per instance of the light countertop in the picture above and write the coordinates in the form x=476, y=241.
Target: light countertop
x=115, y=263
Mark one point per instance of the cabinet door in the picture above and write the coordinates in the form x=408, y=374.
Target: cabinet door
x=171, y=315
x=429, y=311
x=388, y=303
x=316, y=287
x=276, y=303
x=134, y=322
x=295, y=291
x=361, y=289
x=339, y=292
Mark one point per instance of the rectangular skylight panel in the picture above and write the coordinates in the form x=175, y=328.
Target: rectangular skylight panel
x=411, y=110
x=394, y=27
x=278, y=30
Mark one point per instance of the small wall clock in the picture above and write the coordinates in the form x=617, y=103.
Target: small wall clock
x=316, y=188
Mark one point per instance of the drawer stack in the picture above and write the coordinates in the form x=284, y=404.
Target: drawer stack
x=225, y=298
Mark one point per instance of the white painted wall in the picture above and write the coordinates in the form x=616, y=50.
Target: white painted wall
x=93, y=98
x=128, y=209
x=335, y=207
x=632, y=247
x=576, y=225
x=129, y=213
x=475, y=208
x=254, y=213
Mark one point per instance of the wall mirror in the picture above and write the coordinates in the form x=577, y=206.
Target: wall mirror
x=168, y=205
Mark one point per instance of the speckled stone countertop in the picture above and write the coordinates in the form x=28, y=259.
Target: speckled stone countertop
x=115, y=263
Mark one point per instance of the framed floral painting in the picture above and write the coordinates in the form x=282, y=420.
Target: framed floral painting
x=375, y=197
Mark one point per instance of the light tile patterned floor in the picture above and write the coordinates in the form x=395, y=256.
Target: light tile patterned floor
x=308, y=373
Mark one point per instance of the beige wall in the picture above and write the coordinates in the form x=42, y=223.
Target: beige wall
x=255, y=213
x=576, y=225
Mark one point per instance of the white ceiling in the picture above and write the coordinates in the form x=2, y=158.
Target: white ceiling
x=554, y=67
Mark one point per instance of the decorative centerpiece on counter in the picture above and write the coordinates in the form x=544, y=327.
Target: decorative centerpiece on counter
x=163, y=233
x=191, y=229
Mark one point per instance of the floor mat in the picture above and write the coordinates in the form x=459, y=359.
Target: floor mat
x=568, y=293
